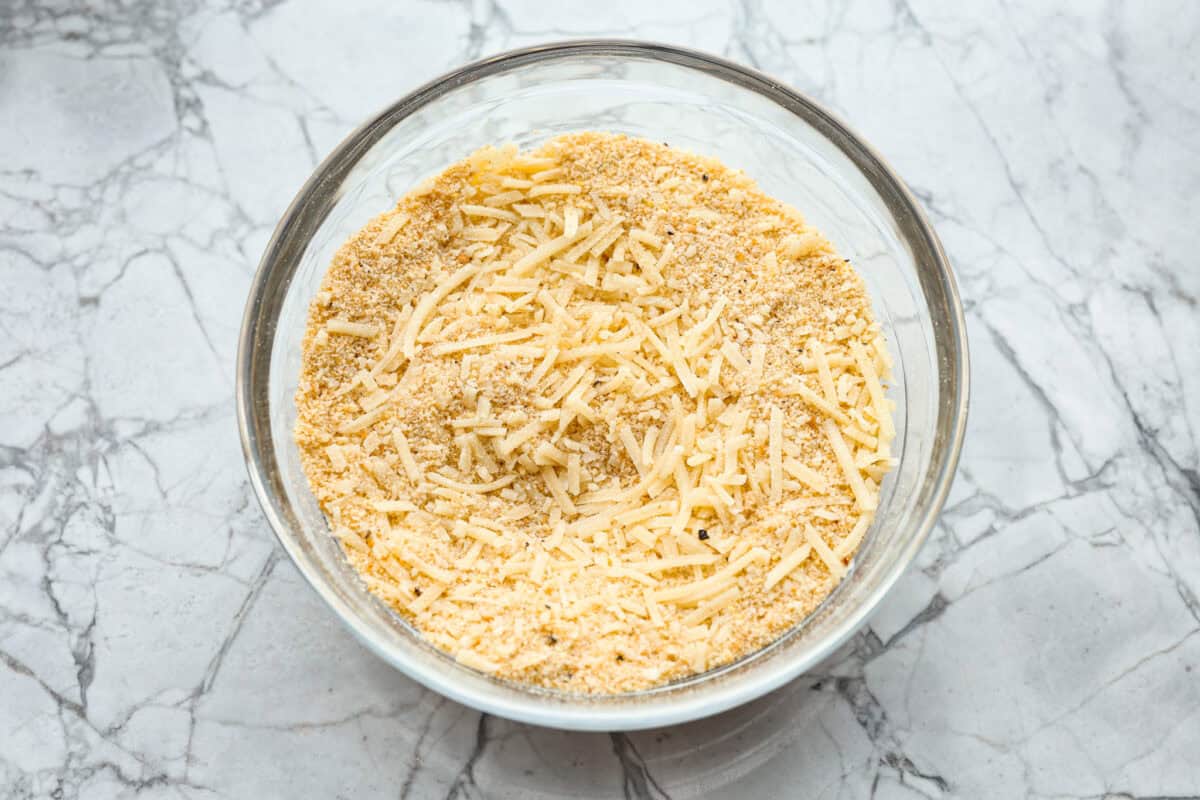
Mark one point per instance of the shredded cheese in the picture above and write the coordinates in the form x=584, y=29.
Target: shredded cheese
x=786, y=566
x=775, y=454
x=347, y=328
x=555, y=409
x=865, y=498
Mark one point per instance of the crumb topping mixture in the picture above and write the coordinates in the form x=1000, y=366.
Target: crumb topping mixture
x=596, y=416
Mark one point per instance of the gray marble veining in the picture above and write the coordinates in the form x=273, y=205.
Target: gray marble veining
x=153, y=641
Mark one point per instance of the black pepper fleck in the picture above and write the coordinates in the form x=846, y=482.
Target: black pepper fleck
x=704, y=178
x=703, y=534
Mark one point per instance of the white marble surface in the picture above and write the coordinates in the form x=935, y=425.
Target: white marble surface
x=153, y=642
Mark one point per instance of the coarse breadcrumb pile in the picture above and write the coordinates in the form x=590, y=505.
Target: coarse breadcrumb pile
x=597, y=416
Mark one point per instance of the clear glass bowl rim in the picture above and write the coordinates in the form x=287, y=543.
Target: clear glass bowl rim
x=319, y=193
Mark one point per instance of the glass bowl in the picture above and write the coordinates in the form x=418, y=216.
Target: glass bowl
x=796, y=150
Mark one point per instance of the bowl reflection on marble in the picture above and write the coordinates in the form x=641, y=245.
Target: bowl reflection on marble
x=796, y=151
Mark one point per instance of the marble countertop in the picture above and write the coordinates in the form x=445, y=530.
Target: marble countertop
x=155, y=643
